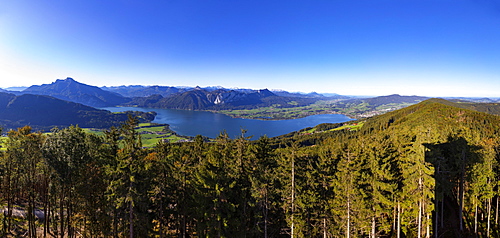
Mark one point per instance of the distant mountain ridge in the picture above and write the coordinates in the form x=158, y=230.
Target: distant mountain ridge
x=166, y=91
x=70, y=90
x=197, y=98
x=394, y=98
x=145, y=91
x=15, y=89
x=383, y=100
x=308, y=95
x=201, y=99
x=219, y=99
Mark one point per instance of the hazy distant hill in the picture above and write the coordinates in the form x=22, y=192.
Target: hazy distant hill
x=45, y=112
x=308, y=95
x=368, y=107
x=490, y=108
x=473, y=99
x=16, y=89
x=166, y=91
x=375, y=102
x=71, y=90
x=395, y=98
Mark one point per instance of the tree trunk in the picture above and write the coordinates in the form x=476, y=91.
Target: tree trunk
x=184, y=228
x=46, y=213
x=419, y=219
x=496, y=212
x=398, y=231
x=420, y=205
x=373, y=227
x=9, y=210
x=29, y=214
x=475, y=219
x=266, y=211
x=436, y=219
x=131, y=219
x=324, y=227
x=61, y=214
x=68, y=216
x=461, y=192
x=489, y=218
x=293, y=194
x=394, y=219
x=428, y=232
x=348, y=232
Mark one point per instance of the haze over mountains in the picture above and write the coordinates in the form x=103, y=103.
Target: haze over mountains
x=68, y=102
x=167, y=97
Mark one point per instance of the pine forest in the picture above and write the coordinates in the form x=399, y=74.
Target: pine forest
x=427, y=170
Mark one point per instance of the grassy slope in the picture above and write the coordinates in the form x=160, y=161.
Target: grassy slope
x=150, y=133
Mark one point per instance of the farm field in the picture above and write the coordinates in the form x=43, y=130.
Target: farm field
x=151, y=134
x=353, y=109
x=278, y=112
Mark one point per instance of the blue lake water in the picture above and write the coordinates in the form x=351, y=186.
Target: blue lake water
x=192, y=123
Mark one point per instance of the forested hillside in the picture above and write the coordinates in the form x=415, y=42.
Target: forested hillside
x=428, y=169
x=44, y=112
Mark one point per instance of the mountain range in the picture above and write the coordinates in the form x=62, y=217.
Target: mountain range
x=197, y=98
x=145, y=91
x=66, y=101
x=220, y=99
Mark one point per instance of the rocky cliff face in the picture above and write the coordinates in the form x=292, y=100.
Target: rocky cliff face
x=223, y=96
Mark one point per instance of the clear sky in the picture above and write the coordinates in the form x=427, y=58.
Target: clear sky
x=372, y=47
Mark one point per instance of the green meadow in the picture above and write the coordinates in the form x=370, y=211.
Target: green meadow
x=151, y=134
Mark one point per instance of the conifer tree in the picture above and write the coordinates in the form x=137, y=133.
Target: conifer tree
x=263, y=189
x=128, y=186
x=416, y=191
x=378, y=182
x=347, y=205
x=214, y=181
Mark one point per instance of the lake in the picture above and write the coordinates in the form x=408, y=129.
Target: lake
x=192, y=123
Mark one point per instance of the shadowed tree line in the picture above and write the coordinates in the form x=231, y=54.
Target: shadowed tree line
x=428, y=170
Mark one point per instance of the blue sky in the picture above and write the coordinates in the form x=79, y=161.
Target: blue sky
x=374, y=47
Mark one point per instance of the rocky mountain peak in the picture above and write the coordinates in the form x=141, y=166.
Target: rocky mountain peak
x=265, y=93
x=70, y=90
x=67, y=80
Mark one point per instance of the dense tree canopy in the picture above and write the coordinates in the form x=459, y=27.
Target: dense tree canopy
x=426, y=170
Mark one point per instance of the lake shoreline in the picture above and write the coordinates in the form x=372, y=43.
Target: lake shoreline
x=211, y=124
